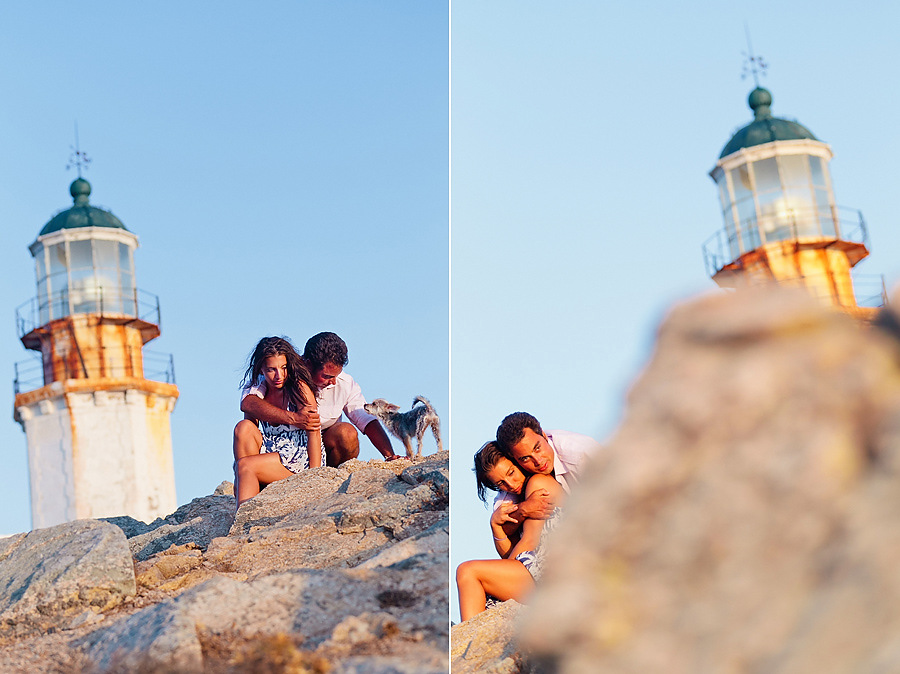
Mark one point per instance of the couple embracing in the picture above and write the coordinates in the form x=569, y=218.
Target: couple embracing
x=293, y=406
x=532, y=471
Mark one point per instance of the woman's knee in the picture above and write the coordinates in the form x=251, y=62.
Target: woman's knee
x=245, y=429
x=465, y=571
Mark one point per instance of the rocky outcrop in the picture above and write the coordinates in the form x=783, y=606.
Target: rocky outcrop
x=334, y=569
x=486, y=644
x=744, y=516
x=62, y=576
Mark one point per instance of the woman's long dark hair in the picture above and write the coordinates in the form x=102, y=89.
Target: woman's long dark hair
x=486, y=458
x=296, y=369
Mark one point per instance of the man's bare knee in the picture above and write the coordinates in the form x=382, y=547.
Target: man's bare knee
x=341, y=443
x=342, y=436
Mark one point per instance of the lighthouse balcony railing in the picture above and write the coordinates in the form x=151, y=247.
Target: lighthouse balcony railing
x=831, y=225
x=31, y=374
x=105, y=302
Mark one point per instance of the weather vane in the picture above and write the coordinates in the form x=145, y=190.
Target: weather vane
x=753, y=65
x=78, y=159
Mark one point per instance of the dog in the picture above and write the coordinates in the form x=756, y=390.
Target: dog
x=404, y=425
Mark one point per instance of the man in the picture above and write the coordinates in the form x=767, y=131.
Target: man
x=325, y=355
x=557, y=453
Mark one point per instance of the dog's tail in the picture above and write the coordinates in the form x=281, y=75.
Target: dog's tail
x=424, y=401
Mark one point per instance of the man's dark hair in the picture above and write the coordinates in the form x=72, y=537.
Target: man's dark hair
x=326, y=347
x=512, y=428
x=486, y=458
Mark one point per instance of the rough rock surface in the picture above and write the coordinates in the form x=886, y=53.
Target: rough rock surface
x=335, y=569
x=62, y=576
x=744, y=516
x=486, y=643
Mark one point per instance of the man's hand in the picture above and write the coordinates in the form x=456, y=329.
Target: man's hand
x=306, y=418
x=504, y=513
x=538, y=506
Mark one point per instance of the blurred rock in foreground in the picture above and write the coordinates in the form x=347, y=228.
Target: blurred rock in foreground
x=334, y=569
x=744, y=518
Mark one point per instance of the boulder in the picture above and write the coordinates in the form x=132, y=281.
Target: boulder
x=338, y=614
x=334, y=518
x=743, y=517
x=197, y=522
x=486, y=642
x=62, y=576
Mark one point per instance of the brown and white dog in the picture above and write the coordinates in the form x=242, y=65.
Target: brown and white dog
x=405, y=425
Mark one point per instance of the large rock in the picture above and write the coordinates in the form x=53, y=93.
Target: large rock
x=338, y=518
x=197, y=522
x=359, y=613
x=744, y=516
x=486, y=644
x=63, y=576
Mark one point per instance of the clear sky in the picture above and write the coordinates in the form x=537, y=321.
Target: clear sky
x=582, y=138
x=285, y=166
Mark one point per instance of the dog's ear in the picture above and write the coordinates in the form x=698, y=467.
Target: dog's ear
x=391, y=407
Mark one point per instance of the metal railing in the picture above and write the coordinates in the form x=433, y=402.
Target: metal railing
x=40, y=310
x=727, y=245
x=30, y=374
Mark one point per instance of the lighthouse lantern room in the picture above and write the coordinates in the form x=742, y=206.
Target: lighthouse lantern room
x=782, y=223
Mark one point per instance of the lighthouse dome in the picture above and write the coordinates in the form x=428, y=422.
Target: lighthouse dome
x=764, y=128
x=82, y=214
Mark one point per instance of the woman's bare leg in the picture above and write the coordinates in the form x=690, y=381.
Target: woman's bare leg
x=247, y=442
x=254, y=471
x=247, y=439
x=502, y=578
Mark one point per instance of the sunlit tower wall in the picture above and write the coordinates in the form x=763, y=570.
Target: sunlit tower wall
x=96, y=423
x=782, y=223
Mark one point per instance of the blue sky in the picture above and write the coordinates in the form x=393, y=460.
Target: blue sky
x=285, y=166
x=582, y=138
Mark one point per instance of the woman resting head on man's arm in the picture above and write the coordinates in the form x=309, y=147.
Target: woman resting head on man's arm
x=518, y=543
x=282, y=450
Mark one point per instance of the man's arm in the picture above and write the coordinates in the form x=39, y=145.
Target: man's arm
x=255, y=407
x=380, y=439
x=538, y=506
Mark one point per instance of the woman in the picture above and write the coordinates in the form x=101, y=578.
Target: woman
x=519, y=545
x=281, y=450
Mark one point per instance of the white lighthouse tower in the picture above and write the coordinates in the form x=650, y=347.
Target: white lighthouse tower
x=96, y=422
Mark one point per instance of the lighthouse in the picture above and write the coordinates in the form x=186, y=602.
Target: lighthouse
x=782, y=223
x=94, y=407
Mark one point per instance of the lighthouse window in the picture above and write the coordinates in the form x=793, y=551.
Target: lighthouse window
x=746, y=213
x=106, y=258
x=105, y=255
x=740, y=179
x=125, y=261
x=80, y=255
x=58, y=259
x=766, y=174
x=795, y=170
x=826, y=219
x=818, y=173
